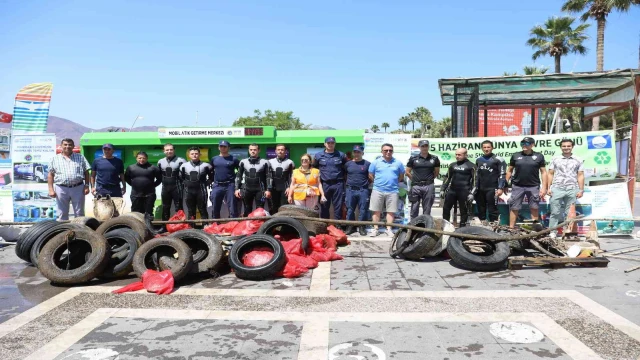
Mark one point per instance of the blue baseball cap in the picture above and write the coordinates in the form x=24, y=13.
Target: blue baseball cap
x=358, y=148
x=108, y=146
x=224, y=143
x=329, y=139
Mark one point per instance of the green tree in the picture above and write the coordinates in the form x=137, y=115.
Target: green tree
x=506, y=73
x=281, y=120
x=557, y=38
x=403, y=122
x=535, y=70
x=412, y=119
x=442, y=128
x=385, y=125
x=598, y=10
x=424, y=118
x=375, y=128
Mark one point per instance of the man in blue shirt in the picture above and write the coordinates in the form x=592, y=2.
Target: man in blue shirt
x=107, y=173
x=224, y=175
x=386, y=173
x=331, y=165
x=357, y=188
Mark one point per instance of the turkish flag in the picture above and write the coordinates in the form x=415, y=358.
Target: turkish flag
x=5, y=118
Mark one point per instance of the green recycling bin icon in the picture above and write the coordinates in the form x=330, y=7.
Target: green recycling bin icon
x=446, y=156
x=602, y=157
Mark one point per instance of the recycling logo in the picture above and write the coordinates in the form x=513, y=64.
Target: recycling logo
x=602, y=157
x=446, y=156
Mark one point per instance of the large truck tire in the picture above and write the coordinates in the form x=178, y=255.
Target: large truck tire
x=148, y=255
x=123, y=244
x=300, y=210
x=127, y=222
x=314, y=227
x=262, y=272
x=91, y=248
x=285, y=224
x=49, y=234
x=206, y=248
x=495, y=259
x=29, y=237
x=89, y=221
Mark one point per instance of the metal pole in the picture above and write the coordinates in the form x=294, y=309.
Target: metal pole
x=634, y=143
x=134, y=122
x=454, y=121
x=533, y=121
x=486, y=120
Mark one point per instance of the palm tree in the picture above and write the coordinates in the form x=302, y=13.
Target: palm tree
x=558, y=38
x=598, y=10
x=385, y=125
x=412, y=119
x=424, y=118
x=534, y=70
x=403, y=122
x=375, y=128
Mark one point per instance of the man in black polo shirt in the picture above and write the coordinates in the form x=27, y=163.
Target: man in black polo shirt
x=527, y=173
x=422, y=169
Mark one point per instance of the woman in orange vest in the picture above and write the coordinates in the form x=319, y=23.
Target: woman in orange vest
x=305, y=185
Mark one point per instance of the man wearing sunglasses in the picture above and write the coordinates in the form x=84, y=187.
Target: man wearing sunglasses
x=528, y=176
x=386, y=173
x=107, y=174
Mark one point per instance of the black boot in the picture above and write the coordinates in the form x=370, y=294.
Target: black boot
x=349, y=230
x=362, y=230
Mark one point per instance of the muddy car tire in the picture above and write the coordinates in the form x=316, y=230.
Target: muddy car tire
x=262, y=272
x=422, y=242
x=127, y=222
x=153, y=229
x=271, y=225
x=49, y=234
x=461, y=256
x=148, y=254
x=30, y=236
x=95, y=258
x=123, y=244
x=314, y=227
x=89, y=221
x=206, y=248
x=136, y=215
x=300, y=210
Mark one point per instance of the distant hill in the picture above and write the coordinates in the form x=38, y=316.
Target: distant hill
x=64, y=128
x=320, y=127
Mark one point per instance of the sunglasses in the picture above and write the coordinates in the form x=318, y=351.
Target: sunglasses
x=389, y=151
x=107, y=149
x=303, y=160
x=525, y=143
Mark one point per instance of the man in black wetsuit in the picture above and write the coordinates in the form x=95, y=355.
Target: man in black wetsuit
x=256, y=175
x=196, y=177
x=143, y=179
x=459, y=186
x=281, y=169
x=491, y=171
x=172, y=188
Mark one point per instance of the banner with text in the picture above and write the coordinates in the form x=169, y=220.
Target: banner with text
x=596, y=148
x=31, y=155
x=192, y=132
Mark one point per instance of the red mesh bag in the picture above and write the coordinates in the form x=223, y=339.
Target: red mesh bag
x=340, y=236
x=292, y=246
x=259, y=255
x=328, y=241
x=220, y=229
x=249, y=227
x=178, y=216
x=293, y=269
x=303, y=260
x=159, y=282
x=325, y=255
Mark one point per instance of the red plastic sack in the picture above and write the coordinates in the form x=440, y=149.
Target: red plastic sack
x=221, y=229
x=247, y=227
x=292, y=246
x=293, y=269
x=178, y=216
x=328, y=241
x=259, y=255
x=258, y=212
x=340, y=236
x=159, y=282
x=303, y=260
x=325, y=255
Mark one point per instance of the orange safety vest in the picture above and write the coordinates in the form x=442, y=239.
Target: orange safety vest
x=302, y=183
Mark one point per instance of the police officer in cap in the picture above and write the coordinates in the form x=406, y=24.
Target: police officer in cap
x=257, y=178
x=422, y=169
x=357, y=189
x=172, y=187
x=281, y=169
x=331, y=165
x=224, y=174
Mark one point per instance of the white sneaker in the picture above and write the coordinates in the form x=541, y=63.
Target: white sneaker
x=373, y=233
x=553, y=235
x=389, y=233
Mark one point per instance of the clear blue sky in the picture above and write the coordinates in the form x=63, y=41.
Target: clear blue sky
x=346, y=64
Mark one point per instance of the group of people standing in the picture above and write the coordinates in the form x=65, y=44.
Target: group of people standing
x=322, y=182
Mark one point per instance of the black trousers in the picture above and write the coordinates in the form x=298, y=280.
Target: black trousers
x=196, y=197
x=248, y=196
x=278, y=198
x=168, y=195
x=143, y=203
x=452, y=196
x=486, y=199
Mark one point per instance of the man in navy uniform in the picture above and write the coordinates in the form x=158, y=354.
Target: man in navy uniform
x=357, y=189
x=331, y=165
x=224, y=175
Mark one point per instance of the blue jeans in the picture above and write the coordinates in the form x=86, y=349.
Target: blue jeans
x=335, y=196
x=225, y=192
x=359, y=199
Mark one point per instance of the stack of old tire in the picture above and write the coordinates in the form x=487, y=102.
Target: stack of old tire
x=84, y=249
x=475, y=255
